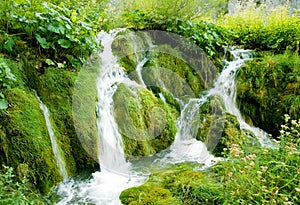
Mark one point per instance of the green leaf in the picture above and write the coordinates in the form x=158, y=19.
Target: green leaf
x=64, y=43
x=43, y=42
x=56, y=27
x=9, y=44
x=3, y=104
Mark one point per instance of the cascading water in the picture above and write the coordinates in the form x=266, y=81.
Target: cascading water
x=117, y=174
x=225, y=87
x=56, y=151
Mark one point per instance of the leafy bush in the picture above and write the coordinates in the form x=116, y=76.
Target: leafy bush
x=210, y=37
x=185, y=9
x=14, y=192
x=60, y=34
x=63, y=36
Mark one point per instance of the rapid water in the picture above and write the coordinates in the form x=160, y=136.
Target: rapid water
x=118, y=174
x=56, y=150
x=225, y=87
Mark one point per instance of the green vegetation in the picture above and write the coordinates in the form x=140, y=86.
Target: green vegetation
x=6, y=79
x=44, y=44
x=248, y=176
x=268, y=88
x=14, y=192
x=24, y=139
x=261, y=28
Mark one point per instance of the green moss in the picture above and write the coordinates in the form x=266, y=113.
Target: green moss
x=83, y=106
x=219, y=129
x=27, y=137
x=269, y=87
x=145, y=122
x=178, y=184
x=56, y=90
x=168, y=69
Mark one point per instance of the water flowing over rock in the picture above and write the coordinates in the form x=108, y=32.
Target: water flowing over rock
x=139, y=92
x=55, y=147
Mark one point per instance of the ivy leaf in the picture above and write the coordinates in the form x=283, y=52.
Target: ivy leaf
x=43, y=42
x=64, y=43
x=3, y=104
x=9, y=44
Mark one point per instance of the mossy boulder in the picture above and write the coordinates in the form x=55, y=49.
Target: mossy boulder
x=25, y=143
x=219, y=129
x=269, y=87
x=145, y=122
x=130, y=48
x=178, y=184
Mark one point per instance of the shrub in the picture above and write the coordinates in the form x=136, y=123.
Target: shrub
x=263, y=175
x=260, y=28
x=16, y=192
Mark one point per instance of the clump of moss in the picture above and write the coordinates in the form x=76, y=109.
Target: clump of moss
x=178, y=184
x=219, y=129
x=55, y=87
x=25, y=140
x=269, y=87
x=145, y=122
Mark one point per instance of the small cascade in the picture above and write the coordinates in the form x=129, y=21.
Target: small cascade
x=56, y=150
x=225, y=87
x=141, y=44
x=111, y=152
x=116, y=174
x=186, y=147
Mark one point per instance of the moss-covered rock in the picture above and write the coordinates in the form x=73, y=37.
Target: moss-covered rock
x=178, y=184
x=23, y=122
x=219, y=129
x=55, y=88
x=25, y=141
x=145, y=122
x=269, y=87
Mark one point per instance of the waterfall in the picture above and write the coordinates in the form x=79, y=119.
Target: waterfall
x=111, y=152
x=186, y=147
x=56, y=150
x=118, y=174
x=225, y=87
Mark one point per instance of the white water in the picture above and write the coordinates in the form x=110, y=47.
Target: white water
x=56, y=151
x=117, y=174
x=225, y=87
x=185, y=146
x=111, y=152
